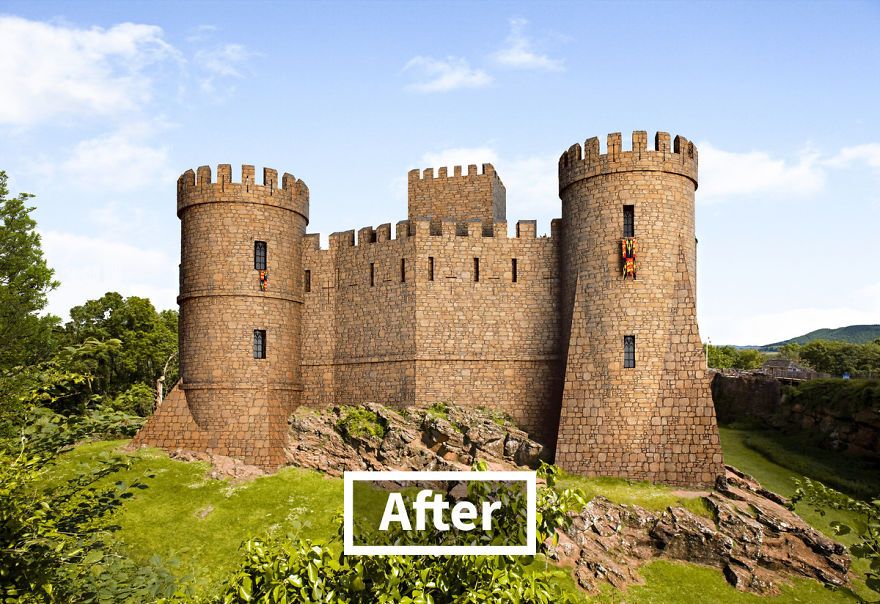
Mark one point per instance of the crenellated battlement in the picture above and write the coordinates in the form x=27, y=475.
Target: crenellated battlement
x=579, y=163
x=194, y=188
x=488, y=170
x=425, y=228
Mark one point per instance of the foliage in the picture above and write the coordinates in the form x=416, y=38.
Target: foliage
x=837, y=358
x=25, y=279
x=358, y=422
x=309, y=572
x=439, y=410
x=54, y=537
x=138, y=400
x=731, y=357
x=866, y=524
x=837, y=397
x=148, y=337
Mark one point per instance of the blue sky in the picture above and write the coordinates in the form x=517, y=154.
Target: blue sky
x=105, y=104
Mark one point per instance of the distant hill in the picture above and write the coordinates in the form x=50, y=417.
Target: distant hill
x=854, y=334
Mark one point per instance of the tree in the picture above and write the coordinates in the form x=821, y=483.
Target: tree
x=25, y=280
x=729, y=357
x=149, y=342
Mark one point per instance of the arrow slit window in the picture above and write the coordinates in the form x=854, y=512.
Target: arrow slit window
x=629, y=352
x=629, y=221
x=259, y=343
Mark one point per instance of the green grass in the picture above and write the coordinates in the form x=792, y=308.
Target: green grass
x=667, y=581
x=654, y=497
x=200, y=522
x=852, y=475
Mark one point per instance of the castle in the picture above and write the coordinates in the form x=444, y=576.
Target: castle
x=587, y=338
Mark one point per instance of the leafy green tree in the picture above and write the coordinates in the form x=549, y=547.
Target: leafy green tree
x=149, y=340
x=730, y=357
x=25, y=280
x=837, y=358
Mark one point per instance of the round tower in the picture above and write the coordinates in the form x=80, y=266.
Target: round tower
x=240, y=308
x=636, y=400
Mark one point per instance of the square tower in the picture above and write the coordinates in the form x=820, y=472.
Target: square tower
x=459, y=197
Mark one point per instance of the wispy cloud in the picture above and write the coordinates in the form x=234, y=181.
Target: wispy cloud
x=519, y=51
x=728, y=175
x=444, y=75
x=50, y=70
x=88, y=267
x=117, y=163
x=222, y=62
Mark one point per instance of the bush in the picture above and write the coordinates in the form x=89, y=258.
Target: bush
x=276, y=572
x=358, y=422
x=137, y=400
x=842, y=398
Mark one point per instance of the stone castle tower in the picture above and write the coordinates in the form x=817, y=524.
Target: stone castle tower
x=603, y=366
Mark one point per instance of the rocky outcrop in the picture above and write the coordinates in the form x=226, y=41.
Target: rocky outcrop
x=754, y=539
x=446, y=438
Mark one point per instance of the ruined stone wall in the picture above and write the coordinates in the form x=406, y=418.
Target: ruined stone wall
x=491, y=342
x=457, y=197
x=654, y=421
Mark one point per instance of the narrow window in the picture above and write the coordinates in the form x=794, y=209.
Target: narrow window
x=629, y=221
x=259, y=343
x=307, y=281
x=430, y=268
x=372, y=274
x=260, y=255
x=513, y=274
x=403, y=270
x=629, y=352
x=476, y=269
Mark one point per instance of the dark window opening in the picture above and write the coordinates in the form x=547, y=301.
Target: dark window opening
x=259, y=343
x=430, y=268
x=629, y=352
x=372, y=274
x=629, y=221
x=260, y=255
x=513, y=274
x=307, y=281
x=476, y=269
x=403, y=270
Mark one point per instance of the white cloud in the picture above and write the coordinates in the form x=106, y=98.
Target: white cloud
x=89, y=267
x=443, y=75
x=225, y=61
x=117, y=163
x=48, y=70
x=726, y=174
x=519, y=51
x=868, y=154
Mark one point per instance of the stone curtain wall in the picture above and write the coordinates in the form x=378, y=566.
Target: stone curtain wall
x=655, y=421
x=493, y=342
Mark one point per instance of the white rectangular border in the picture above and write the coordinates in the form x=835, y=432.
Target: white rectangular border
x=350, y=549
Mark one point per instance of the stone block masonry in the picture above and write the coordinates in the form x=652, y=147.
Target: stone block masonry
x=446, y=306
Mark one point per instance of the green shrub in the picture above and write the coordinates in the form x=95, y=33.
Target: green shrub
x=842, y=398
x=276, y=572
x=358, y=422
x=138, y=399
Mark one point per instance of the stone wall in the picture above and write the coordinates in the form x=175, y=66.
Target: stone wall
x=410, y=338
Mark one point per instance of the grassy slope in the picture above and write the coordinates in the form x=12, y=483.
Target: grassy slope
x=200, y=522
